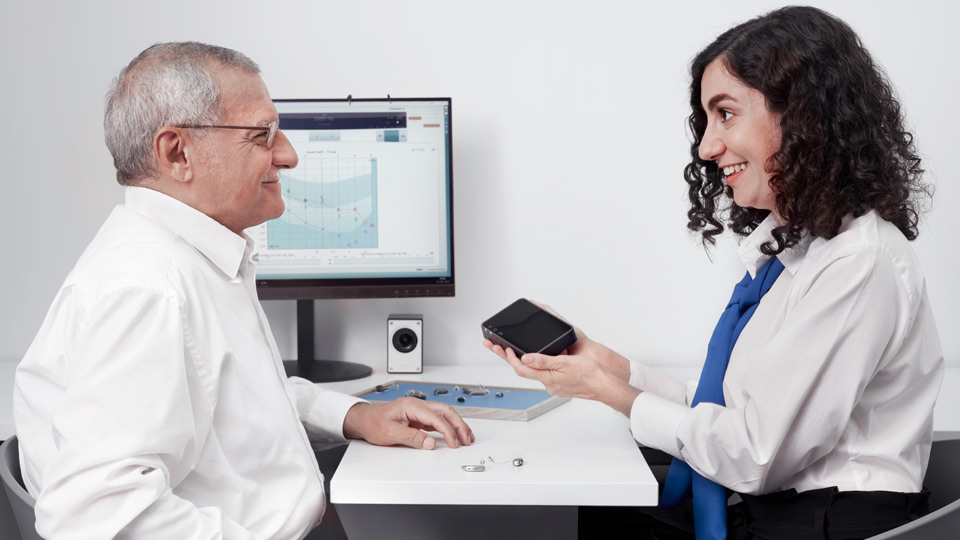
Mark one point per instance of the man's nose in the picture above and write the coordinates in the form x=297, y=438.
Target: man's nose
x=284, y=155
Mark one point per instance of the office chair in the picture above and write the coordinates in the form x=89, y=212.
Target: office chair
x=943, y=481
x=20, y=501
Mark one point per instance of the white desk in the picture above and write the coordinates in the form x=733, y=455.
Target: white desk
x=579, y=454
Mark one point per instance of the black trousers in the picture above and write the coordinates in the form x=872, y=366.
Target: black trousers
x=822, y=514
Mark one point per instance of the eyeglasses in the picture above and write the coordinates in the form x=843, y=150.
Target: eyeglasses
x=270, y=129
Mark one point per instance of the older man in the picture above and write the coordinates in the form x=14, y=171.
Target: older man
x=153, y=403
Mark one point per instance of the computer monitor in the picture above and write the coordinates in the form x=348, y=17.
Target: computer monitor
x=369, y=211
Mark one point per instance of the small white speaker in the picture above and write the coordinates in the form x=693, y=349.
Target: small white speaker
x=405, y=344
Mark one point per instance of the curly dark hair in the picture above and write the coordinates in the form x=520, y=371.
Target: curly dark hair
x=844, y=148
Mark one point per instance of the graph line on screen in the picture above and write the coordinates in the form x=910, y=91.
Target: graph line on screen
x=331, y=203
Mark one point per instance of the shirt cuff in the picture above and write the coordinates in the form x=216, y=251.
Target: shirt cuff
x=652, y=380
x=655, y=421
x=634, y=379
x=328, y=411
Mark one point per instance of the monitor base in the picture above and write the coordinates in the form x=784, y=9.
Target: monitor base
x=326, y=370
x=320, y=371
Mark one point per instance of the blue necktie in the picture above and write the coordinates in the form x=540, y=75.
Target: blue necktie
x=710, y=498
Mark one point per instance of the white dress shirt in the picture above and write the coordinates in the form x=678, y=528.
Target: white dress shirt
x=153, y=402
x=832, y=382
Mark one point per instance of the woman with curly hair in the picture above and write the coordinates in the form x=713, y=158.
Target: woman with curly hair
x=815, y=403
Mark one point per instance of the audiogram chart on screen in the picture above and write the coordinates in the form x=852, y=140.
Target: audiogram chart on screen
x=331, y=203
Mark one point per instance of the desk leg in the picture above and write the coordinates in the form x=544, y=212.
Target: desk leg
x=428, y=522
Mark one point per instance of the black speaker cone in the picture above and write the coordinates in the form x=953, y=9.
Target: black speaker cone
x=405, y=340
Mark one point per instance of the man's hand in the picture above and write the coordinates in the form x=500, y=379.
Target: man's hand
x=403, y=422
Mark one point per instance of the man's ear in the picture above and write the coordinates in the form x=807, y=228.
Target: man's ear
x=173, y=153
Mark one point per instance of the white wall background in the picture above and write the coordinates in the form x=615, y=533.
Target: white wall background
x=569, y=145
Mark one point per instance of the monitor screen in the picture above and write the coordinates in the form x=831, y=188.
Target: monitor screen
x=369, y=206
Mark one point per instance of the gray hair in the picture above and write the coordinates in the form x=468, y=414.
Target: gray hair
x=167, y=84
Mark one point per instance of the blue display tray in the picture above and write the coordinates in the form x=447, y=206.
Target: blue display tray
x=476, y=401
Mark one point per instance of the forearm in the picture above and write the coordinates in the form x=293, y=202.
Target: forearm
x=618, y=394
x=618, y=366
x=355, y=423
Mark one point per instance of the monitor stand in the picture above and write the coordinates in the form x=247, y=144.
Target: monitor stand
x=306, y=366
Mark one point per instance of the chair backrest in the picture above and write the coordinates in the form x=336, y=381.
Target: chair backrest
x=20, y=501
x=943, y=481
x=943, y=473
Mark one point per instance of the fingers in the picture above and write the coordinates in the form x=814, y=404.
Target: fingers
x=410, y=416
x=515, y=363
x=405, y=435
x=497, y=349
x=463, y=431
x=441, y=418
x=401, y=422
x=419, y=439
x=536, y=361
x=520, y=367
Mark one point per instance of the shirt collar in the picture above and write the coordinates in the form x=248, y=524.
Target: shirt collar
x=753, y=259
x=217, y=243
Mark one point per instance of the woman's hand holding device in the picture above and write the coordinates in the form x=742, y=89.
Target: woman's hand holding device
x=584, y=369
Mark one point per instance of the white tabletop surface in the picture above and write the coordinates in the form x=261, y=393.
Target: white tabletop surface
x=579, y=454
